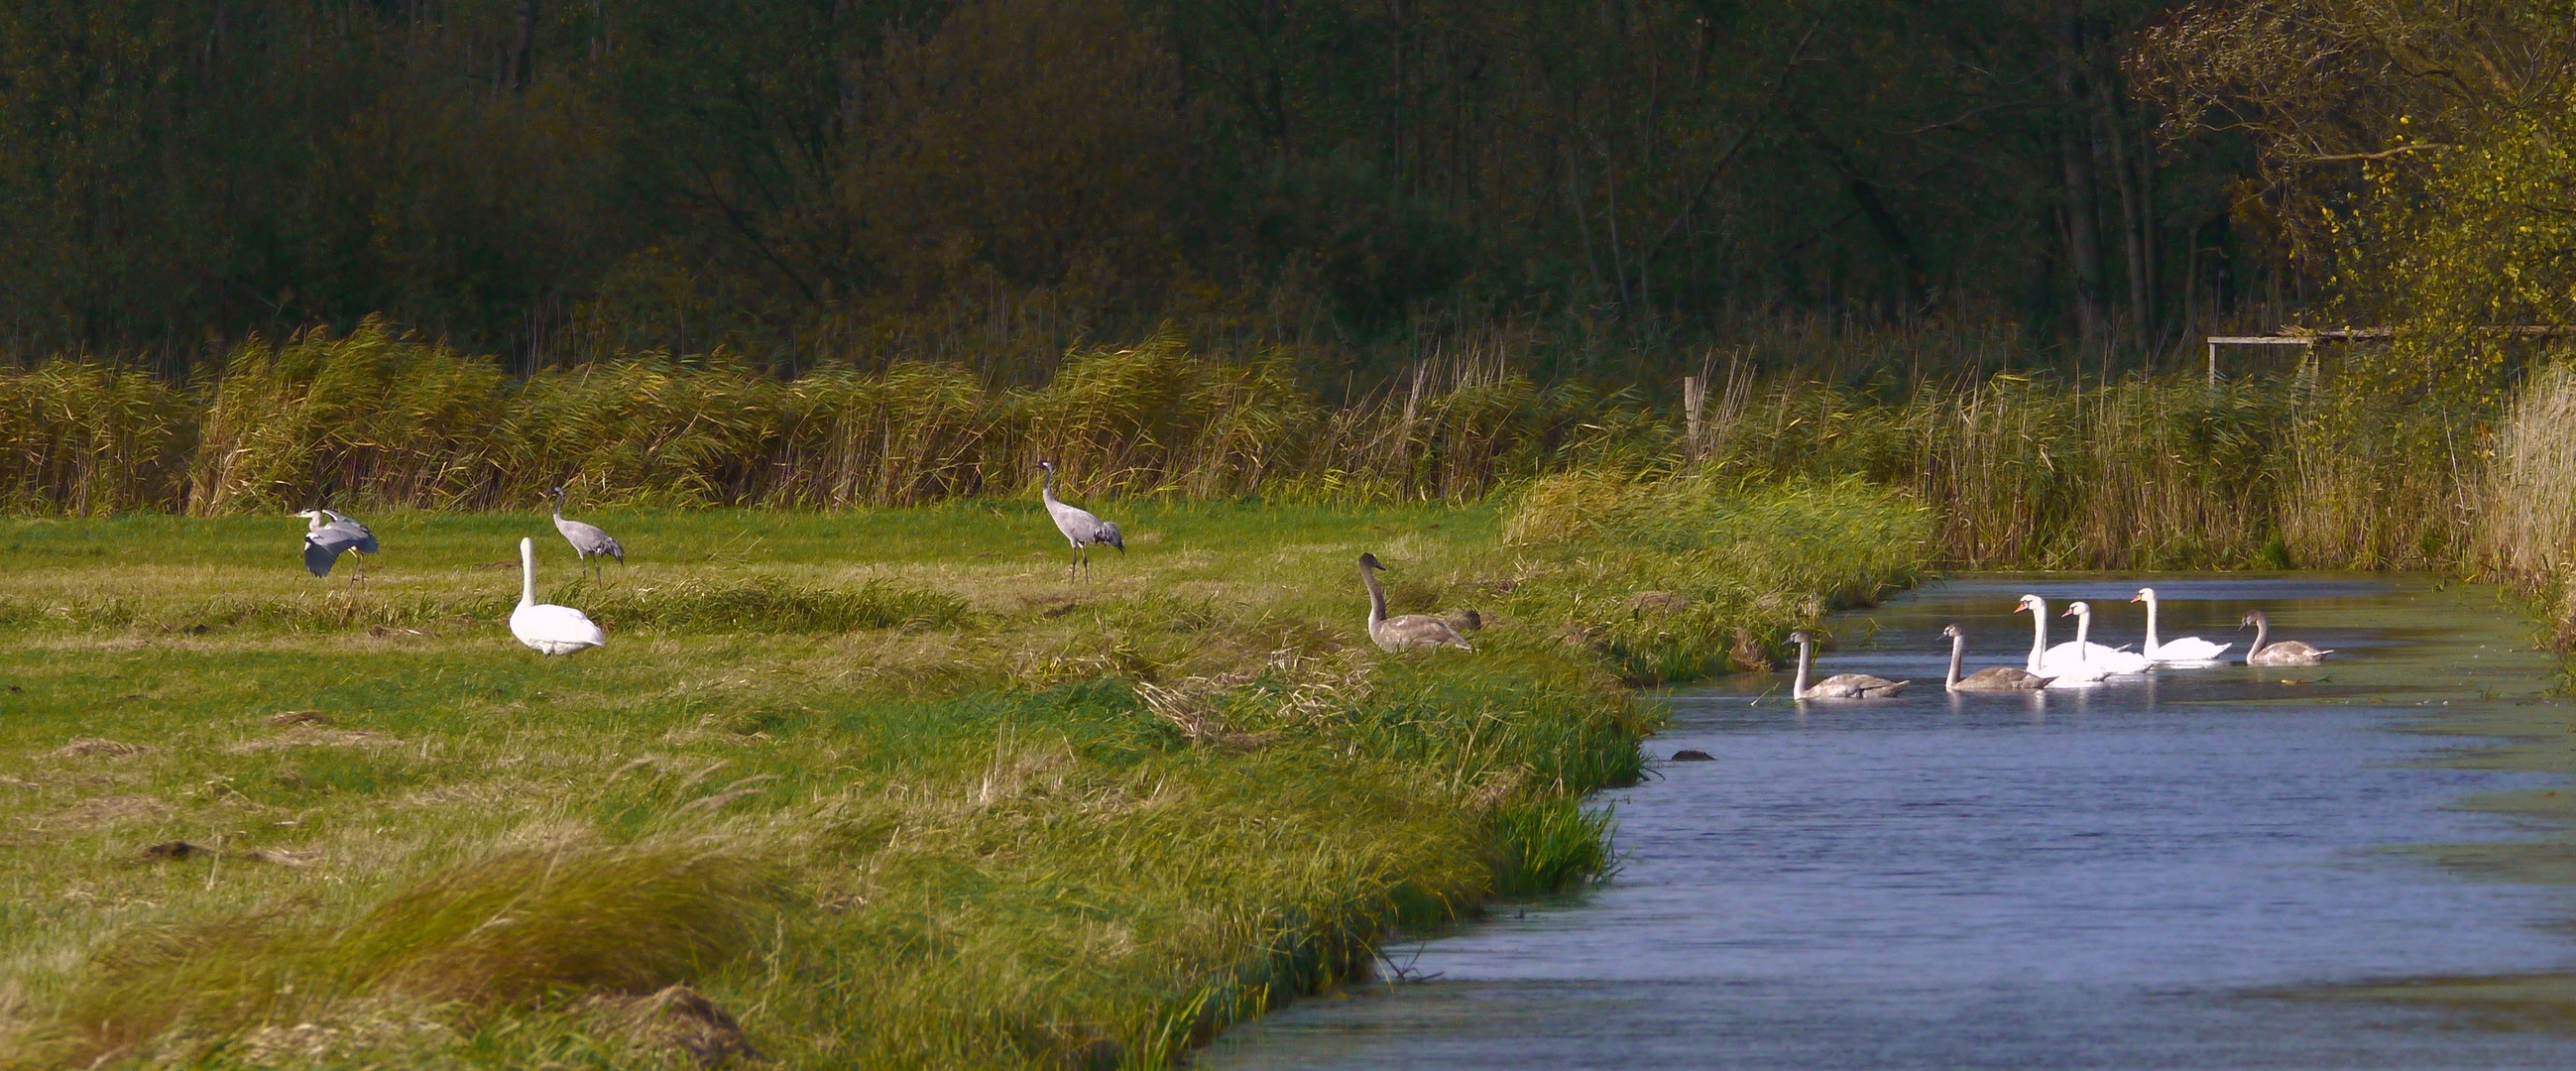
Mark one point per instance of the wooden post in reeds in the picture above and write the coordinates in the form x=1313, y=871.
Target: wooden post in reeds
x=1694, y=399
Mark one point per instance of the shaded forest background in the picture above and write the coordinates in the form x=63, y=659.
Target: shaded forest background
x=990, y=182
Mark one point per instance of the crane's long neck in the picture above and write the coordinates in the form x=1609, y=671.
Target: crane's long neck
x=1806, y=654
x=2151, y=627
x=2038, y=635
x=1377, y=596
x=1958, y=650
x=527, y=573
x=558, y=505
x=1046, y=487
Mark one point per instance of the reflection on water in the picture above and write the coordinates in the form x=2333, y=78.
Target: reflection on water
x=2102, y=878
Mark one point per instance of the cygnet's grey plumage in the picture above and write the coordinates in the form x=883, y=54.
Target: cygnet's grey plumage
x=329, y=535
x=2284, y=653
x=1080, y=528
x=1840, y=685
x=1411, y=632
x=587, y=540
x=1989, y=679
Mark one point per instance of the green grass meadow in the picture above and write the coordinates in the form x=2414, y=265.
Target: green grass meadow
x=867, y=789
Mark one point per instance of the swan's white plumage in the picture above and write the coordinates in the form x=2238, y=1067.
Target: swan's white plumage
x=545, y=627
x=2064, y=667
x=2183, y=649
x=2110, y=659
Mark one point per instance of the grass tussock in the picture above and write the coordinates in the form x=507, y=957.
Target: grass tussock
x=1676, y=578
x=509, y=929
x=695, y=605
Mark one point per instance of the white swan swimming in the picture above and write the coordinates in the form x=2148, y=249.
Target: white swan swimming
x=550, y=629
x=2184, y=649
x=2111, y=659
x=2061, y=664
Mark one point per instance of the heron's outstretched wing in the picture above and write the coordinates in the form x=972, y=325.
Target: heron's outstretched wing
x=364, y=538
x=323, y=548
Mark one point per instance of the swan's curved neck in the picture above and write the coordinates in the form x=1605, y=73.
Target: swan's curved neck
x=2151, y=627
x=1806, y=654
x=2262, y=627
x=527, y=573
x=2083, y=627
x=2038, y=635
x=1377, y=596
x=1958, y=650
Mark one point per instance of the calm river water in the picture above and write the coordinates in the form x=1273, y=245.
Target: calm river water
x=2121, y=877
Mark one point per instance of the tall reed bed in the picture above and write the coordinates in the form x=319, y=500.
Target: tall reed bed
x=379, y=420
x=2017, y=470
x=2526, y=503
x=83, y=439
x=2143, y=472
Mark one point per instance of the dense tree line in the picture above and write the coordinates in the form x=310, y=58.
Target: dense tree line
x=989, y=180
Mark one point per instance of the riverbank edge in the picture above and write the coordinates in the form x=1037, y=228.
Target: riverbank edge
x=1299, y=958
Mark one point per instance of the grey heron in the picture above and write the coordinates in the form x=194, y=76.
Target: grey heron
x=329, y=535
x=588, y=542
x=1409, y=632
x=1078, y=525
x=548, y=628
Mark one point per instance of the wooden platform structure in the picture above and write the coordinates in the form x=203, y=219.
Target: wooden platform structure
x=2359, y=334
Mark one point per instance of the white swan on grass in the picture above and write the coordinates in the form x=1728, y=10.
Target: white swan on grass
x=549, y=629
x=2061, y=664
x=2183, y=649
x=2111, y=659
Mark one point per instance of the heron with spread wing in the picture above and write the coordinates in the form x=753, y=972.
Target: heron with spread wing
x=329, y=535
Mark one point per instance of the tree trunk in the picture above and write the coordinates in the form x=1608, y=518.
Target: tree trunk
x=2083, y=234
x=2111, y=131
x=523, y=53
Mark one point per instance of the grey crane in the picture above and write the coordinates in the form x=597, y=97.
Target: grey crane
x=1078, y=525
x=329, y=535
x=589, y=544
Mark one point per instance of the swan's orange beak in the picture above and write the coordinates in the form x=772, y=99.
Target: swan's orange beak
x=2021, y=607
x=2137, y=598
x=2069, y=612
